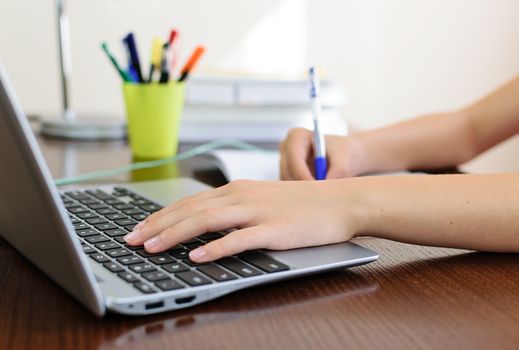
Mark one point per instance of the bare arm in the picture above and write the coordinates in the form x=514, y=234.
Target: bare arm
x=433, y=141
x=477, y=212
x=463, y=211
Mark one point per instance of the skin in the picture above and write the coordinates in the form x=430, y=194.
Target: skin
x=476, y=212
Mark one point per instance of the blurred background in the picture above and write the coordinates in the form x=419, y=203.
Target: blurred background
x=395, y=59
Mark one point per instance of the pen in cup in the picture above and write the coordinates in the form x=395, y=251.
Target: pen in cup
x=124, y=74
x=133, y=57
x=188, y=67
x=320, y=163
x=156, y=51
x=164, y=69
x=173, y=48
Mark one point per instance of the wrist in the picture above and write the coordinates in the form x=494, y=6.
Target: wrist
x=362, y=152
x=353, y=207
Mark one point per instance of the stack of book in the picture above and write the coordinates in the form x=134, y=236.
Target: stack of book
x=256, y=110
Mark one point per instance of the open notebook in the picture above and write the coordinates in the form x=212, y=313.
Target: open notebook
x=259, y=165
x=251, y=165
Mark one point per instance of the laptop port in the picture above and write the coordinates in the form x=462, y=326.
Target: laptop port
x=155, y=305
x=185, y=300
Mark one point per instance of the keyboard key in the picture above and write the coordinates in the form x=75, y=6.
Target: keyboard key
x=71, y=205
x=263, y=261
x=77, y=195
x=210, y=236
x=106, y=211
x=119, y=194
x=96, y=220
x=191, y=246
x=100, y=258
x=80, y=226
x=87, y=232
x=217, y=273
x=113, y=201
x=143, y=287
x=99, y=194
x=123, y=206
x=130, y=227
x=140, y=268
x=150, y=207
x=162, y=259
x=130, y=260
x=192, y=263
x=115, y=253
x=130, y=247
x=155, y=276
x=97, y=206
x=144, y=253
x=140, y=217
x=86, y=215
x=88, y=249
x=74, y=221
x=121, y=189
x=106, y=245
x=88, y=201
x=169, y=285
x=193, y=278
x=128, y=277
x=238, y=267
x=175, y=267
x=125, y=222
x=116, y=216
x=179, y=253
x=139, y=202
x=77, y=210
x=96, y=239
x=116, y=232
x=133, y=211
x=106, y=227
x=114, y=267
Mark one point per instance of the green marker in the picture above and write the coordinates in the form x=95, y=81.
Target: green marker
x=126, y=77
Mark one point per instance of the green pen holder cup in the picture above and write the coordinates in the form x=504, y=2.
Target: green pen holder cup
x=153, y=112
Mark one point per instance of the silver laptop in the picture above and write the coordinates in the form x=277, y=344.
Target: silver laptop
x=75, y=235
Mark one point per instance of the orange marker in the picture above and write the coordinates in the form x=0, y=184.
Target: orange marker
x=191, y=63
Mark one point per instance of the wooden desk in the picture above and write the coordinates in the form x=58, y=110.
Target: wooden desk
x=413, y=297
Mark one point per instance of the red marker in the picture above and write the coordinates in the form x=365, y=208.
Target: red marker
x=173, y=49
x=188, y=67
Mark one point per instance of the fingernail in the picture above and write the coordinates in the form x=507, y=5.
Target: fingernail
x=139, y=225
x=198, y=253
x=133, y=236
x=153, y=242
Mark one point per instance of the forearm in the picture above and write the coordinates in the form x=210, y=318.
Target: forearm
x=445, y=139
x=428, y=142
x=478, y=212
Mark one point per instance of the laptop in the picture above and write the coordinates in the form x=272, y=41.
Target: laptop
x=74, y=235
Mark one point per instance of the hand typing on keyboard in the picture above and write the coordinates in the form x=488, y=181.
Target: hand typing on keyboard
x=272, y=215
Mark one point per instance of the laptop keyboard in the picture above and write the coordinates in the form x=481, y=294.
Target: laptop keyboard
x=102, y=219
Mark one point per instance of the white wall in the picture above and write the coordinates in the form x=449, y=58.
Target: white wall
x=396, y=58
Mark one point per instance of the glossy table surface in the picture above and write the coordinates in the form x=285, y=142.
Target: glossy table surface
x=413, y=297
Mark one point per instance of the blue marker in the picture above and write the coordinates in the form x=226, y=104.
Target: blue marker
x=319, y=145
x=133, y=56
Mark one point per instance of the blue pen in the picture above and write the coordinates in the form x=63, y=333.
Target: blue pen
x=319, y=145
x=134, y=65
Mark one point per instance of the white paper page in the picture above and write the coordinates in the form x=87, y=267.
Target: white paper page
x=237, y=164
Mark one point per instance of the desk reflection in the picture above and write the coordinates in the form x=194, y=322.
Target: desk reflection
x=163, y=331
